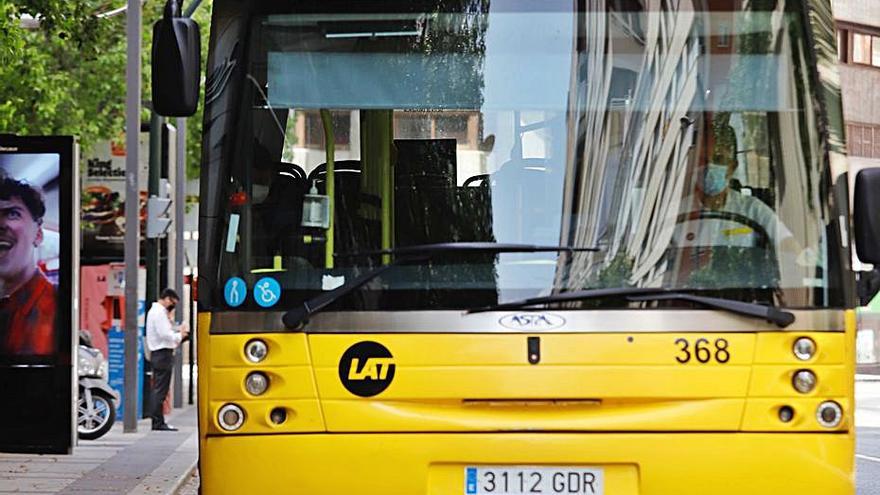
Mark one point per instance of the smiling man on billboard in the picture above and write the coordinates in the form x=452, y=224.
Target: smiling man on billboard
x=27, y=298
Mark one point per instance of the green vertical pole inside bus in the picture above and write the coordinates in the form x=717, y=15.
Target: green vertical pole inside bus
x=377, y=177
x=330, y=145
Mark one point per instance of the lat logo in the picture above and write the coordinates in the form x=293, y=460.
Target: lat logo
x=532, y=321
x=366, y=369
x=373, y=369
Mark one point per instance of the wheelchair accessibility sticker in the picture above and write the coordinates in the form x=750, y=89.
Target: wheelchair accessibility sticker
x=267, y=292
x=235, y=292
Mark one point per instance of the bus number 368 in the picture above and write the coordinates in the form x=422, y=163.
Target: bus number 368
x=703, y=351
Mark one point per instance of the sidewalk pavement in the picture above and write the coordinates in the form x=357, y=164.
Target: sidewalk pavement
x=146, y=462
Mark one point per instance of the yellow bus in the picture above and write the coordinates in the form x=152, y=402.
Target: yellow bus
x=514, y=246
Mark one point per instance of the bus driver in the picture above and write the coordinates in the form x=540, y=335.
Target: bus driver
x=713, y=194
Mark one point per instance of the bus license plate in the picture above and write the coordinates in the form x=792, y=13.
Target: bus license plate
x=517, y=480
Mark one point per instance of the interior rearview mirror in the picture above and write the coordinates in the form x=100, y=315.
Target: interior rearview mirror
x=866, y=215
x=176, y=63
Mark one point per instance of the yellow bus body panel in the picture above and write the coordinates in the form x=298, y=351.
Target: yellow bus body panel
x=623, y=402
x=634, y=463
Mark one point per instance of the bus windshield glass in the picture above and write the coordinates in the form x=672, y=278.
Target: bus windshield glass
x=686, y=148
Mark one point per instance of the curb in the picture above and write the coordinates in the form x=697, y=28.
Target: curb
x=182, y=479
x=867, y=378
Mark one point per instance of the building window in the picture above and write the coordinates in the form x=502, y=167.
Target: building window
x=464, y=127
x=864, y=48
x=863, y=140
x=861, y=48
x=314, y=129
x=875, y=51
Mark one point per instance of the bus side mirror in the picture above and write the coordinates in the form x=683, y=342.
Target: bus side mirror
x=866, y=215
x=176, y=63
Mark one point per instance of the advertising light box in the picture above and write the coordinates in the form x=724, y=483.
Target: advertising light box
x=38, y=259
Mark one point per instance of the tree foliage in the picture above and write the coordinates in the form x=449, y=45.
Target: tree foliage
x=66, y=73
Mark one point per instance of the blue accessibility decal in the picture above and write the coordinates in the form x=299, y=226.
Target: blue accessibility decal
x=235, y=292
x=267, y=292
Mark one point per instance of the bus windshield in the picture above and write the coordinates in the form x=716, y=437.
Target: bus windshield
x=686, y=148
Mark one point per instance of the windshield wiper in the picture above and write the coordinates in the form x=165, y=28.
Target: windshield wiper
x=453, y=247
x=640, y=294
x=408, y=254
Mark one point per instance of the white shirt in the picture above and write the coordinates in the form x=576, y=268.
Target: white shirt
x=717, y=232
x=160, y=334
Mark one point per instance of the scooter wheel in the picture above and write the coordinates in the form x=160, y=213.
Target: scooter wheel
x=96, y=424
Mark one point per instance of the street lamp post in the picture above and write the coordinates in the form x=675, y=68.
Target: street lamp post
x=132, y=212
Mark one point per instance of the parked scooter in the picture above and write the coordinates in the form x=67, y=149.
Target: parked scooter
x=97, y=401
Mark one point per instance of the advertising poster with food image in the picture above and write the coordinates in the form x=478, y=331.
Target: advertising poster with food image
x=102, y=201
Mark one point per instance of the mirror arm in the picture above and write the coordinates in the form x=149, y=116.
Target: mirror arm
x=192, y=8
x=868, y=285
x=172, y=9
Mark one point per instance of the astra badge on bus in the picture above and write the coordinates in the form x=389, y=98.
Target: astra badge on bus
x=532, y=321
x=366, y=369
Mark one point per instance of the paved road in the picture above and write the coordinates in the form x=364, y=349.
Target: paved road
x=868, y=461
x=868, y=437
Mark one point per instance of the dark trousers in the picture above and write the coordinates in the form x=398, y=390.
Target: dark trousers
x=162, y=362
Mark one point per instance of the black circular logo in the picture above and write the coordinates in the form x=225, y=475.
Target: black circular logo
x=366, y=368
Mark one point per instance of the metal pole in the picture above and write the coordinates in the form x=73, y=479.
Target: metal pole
x=192, y=339
x=154, y=174
x=192, y=8
x=151, y=246
x=177, y=280
x=132, y=210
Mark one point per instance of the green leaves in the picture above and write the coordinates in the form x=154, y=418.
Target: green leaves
x=67, y=74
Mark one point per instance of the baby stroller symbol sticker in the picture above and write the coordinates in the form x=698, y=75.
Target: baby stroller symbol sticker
x=235, y=291
x=267, y=292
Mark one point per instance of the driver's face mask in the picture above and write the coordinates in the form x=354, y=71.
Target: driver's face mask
x=715, y=179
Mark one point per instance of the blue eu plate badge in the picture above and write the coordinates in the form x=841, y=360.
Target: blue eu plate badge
x=470, y=481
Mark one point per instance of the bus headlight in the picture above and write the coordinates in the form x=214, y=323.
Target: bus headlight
x=804, y=381
x=230, y=417
x=804, y=348
x=256, y=383
x=256, y=350
x=829, y=414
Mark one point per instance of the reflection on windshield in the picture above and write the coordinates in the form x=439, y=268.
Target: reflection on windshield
x=683, y=143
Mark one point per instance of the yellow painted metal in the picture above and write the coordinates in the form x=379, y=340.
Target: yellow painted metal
x=634, y=463
x=620, y=401
x=849, y=360
x=763, y=414
x=777, y=348
x=776, y=381
x=285, y=349
x=586, y=349
x=433, y=416
x=289, y=382
x=303, y=416
x=203, y=356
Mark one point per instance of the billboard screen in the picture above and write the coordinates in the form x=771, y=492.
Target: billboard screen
x=37, y=266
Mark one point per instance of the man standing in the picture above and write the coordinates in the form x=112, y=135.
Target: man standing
x=162, y=339
x=27, y=298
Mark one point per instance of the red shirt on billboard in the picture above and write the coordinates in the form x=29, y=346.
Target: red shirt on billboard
x=27, y=298
x=30, y=319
